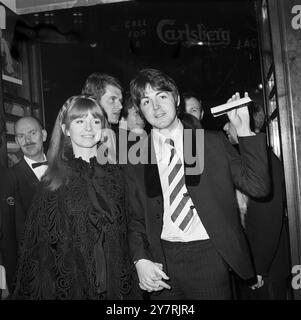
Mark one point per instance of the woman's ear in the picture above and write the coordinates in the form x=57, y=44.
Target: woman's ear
x=104, y=135
x=65, y=131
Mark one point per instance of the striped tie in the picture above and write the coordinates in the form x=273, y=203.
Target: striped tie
x=181, y=212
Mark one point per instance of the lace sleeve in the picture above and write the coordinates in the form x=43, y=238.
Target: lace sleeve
x=34, y=277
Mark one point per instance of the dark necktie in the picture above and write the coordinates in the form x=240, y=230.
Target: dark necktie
x=181, y=214
x=37, y=164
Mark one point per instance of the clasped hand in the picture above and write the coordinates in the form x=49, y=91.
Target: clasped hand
x=259, y=282
x=151, y=275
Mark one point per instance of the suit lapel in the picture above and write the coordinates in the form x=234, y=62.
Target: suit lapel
x=28, y=173
x=193, y=149
x=151, y=172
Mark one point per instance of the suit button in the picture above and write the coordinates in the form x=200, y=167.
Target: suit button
x=186, y=194
x=192, y=207
x=158, y=216
x=10, y=201
x=159, y=201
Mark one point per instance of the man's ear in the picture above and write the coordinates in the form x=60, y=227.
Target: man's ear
x=44, y=135
x=202, y=115
x=178, y=100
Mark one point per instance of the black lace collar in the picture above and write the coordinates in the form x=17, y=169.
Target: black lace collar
x=80, y=165
x=83, y=167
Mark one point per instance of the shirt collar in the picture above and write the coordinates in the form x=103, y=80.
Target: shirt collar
x=176, y=135
x=30, y=161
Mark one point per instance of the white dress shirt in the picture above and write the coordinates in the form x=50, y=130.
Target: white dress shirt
x=39, y=171
x=2, y=278
x=170, y=231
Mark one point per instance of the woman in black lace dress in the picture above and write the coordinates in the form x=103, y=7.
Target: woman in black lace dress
x=75, y=241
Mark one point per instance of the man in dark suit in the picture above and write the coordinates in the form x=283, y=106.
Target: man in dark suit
x=131, y=129
x=18, y=185
x=266, y=226
x=30, y=136
x=184, y=232
x=8, y=227
x=9, y=205
x=3, y=198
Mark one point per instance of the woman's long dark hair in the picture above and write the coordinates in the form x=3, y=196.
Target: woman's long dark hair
x=60, y=150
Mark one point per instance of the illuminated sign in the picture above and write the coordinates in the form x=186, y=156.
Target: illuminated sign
x=169, y=34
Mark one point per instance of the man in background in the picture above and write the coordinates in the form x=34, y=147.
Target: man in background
x=265, y=225
x=9, y=206
x=193, y=105
x=30, y=136
x=131, y=129
x=191, y=111
x=131, y=119
x=18, y=186
x=107, y=91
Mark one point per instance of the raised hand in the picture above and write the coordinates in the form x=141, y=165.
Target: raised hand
x=240, y=117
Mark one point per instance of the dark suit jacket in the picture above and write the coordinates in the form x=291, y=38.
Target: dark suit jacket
x=26, y=182
x=212, y=193
x=266, y=227
x=11, y=224
x=18, y=186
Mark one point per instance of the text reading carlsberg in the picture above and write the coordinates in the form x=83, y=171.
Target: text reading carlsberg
x=153, y=309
